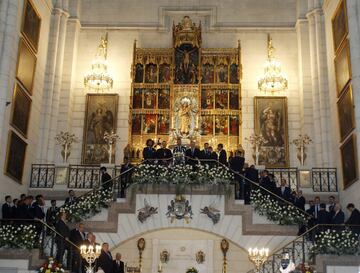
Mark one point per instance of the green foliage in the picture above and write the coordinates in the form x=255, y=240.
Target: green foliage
x=17, y=236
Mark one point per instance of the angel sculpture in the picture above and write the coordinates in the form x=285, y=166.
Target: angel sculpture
x=146, y=211
x=212, y=213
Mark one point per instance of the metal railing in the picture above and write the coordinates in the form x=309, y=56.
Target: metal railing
x=324, y=179
x=289, y=174
x=42, y=176
x=83, y=176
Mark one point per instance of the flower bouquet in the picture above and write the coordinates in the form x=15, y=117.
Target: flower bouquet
x=51, y=266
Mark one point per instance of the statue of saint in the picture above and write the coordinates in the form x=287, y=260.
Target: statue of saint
x=185, y=118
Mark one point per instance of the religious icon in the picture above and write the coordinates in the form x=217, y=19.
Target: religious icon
x=349, y=161
x=207, y=73
x=163, y=124
x=221, y=125
x=207, y=125
x=164, y=99
x=31, y=25
x=221, y=99
x=346, y=113
x=339, y=25
x=151, y=73
x=234, y=99
x=15, y=157
x=234, y=125
x=342, y=68
x=164, y=73
x=186, y=60
x=136, y=124
x=207, y=99
x=137, y=99
x=234, y=74
x=150, y=98
x=184, y=114
x=139, y=73
x=21, y=110
x=149, y=123
x=222, y=73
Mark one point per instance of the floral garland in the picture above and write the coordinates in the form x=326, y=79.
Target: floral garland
x=51, y=266
x=192, y=270
x=335, y=242
x=284, y=214
x=18, y=236
x=88, y=205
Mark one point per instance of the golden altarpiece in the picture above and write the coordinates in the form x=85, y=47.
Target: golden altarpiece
x=186, y=92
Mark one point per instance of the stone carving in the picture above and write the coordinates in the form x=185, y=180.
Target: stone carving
x=66, y=139
x=212, y=213
x=200, y=257
x=146, y=211
x=179, y=209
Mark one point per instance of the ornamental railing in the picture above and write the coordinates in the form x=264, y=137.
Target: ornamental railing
x=83, y=176
x=324, y=180
x=42, y=176
x=318, y=240
x=289, y=174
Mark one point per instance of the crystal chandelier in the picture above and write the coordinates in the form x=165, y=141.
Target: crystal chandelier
x=98, y=79
x=273, y=79
x=258, y=256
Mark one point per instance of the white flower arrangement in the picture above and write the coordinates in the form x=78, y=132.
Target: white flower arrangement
x=17, y=236
x=51, y=266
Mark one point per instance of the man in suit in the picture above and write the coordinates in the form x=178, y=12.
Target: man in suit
x=205, y=154
x=51, y=213
x=38, y=207
x=314, y=209
x=222, y=154
x=179, y=152
x=106, y=180
x=25, y=211
x=332, y=205
x=164, y=155
x=118, y=266
x=149, y=153
x=7, y=208
x=323, y=215
x=283, y=191
x=213, y=157
x=252, y=174
x=63, y=234
x=71, y=199
x=125, y=178
x=77, y=236
x=105, y=261
x=266, y=183
x=192, y=154
x=299, y=200
x=237, y=165
x=354, y=218
x=339, y=217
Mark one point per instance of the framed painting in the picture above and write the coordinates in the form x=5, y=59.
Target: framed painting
x=137, y=99
x=163, y=124
x=186, y=64
x=339, y=25
x=207, y=73
x=31, y=25
x=207, y=99
x=222, y=73
x=271, y=122
x=151, y=73
x=234, y=79
x=221, y=99
x=305, y=179
x=15, y=157
x=349, y=161
x=100, y=118
x=234, y=99
x=346, y=113
x=139, y=73
x=206, y=125
x=164, y=73
x=26, y=66
x=149, y=98
x=149, y=123
x=342, y=68
x=234, y=125
x=21, y=110
x=136, y=124
x=221, y=125
x=164, y=98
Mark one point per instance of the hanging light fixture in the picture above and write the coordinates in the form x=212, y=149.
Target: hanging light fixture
x=273, y=80
x=98, y=79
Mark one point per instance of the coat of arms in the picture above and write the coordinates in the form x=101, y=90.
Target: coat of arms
x=179, y=209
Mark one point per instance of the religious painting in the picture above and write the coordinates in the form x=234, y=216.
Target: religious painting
x=339, y=25
x=149, y=123
x=346, y=113
x=31, y=25
x=271, y=124
x=164, y=98
x=150, y=98
x=234, y=125
x=186, y=64
x=207, y=99
x=137, y=99
x=100, y=118
x=164, y=73
x=136, y=124
x=305, y=179
x=15, y=159
x=221, y=99
x=234, y=99
x=221, y=125
x=206, y=125
x=234, y=74
x=26, y=66
x=163, y=125
x=207, y=73
x=222, y=73
x=349, y=161
x=342, y=68
x=139, y=73
x=151, y=73
x=21, y=110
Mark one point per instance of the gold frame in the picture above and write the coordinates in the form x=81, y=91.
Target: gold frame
x=16, y=90
x=34, y=47
x=85, y=136
x=286, y=128
x=11, y=133
x=349, y=139
x=341, y=4
x=345, y=46
x=347, y=90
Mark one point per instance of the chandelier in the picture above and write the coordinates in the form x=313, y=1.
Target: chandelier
x=273, y=79
x=258, y=256
x=98, y=79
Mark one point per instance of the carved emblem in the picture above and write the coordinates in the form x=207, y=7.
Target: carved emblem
x=212, y=213
x=200, y=257
x=164, y=256
x=179, y=209
x=146, y=212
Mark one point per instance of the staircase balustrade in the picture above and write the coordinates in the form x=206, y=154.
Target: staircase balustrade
x=42, y=176
x=324, y=180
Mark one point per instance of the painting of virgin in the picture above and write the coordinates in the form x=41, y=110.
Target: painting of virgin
x=100, y=118
x=234, y=125
x=137, y=99
x=234, y=99
x=164, y=73
x=207, y=99
x=164, y=98
x=234, y=74
x=163, y=124
x=207, y=73
x=15, y=157
x=221, y=99
x=221, y=125
x=136, y=124
x=149, y=98
x=222, y=73
x=151, y=73
x=139, y=73
x=206, y=125
x=149, y=123
x=31, y=25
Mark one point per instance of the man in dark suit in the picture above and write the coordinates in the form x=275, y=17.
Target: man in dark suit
x=118, y=266
x=323, y=216
x=63, y=234
x=77, y=236
x=222, y=154
x=299, y=200
x=339, y=216
x=266, y=183
x=149, y=153
x=252, y=174
x=332, y=205
x=315, y=207
x=25, y=211
x=106, y=180
x=237, y=165
x=71, y=199
x=7, y=210
x=283, y=191
x=354, y=218
x=179, y=152
x=213, y=157
x=38, y=207
x=164, y=155
x=205, y=154
x=51, y=213
x=105, y=261
x=125, y=178
x=192, y=154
